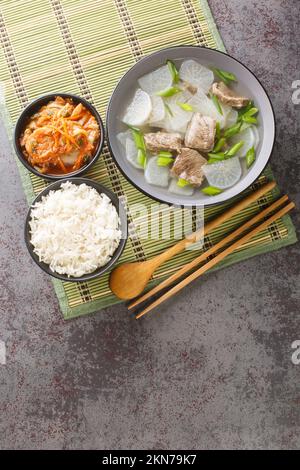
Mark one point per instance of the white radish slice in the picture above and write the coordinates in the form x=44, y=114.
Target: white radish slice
x=180, y=97
x=139, y=109
x=196, y=74
x=123, y=136
x=223, y=174
x=132, y=153
x=156, y=175
x=181, y=191
x=256, y=135
x=156, y=81
x=158, y=110
x=179, y=121
x=248, y=137
x=231, y=118
x=205, y=106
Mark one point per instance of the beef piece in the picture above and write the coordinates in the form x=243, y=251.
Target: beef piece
x=156, y=141
x=200, y=133
x=227, y=96
x=188, y=166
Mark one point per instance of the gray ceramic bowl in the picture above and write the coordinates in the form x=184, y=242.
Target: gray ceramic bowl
x=123, y=218
x=248, y=85
x=32, y=108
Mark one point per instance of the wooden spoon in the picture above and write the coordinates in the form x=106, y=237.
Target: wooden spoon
x=129, y=279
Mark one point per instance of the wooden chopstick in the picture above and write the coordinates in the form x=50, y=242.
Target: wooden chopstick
x=218, y=258
x=224, y=216
x=195, y=262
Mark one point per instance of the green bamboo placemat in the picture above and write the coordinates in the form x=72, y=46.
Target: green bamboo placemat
x=84, y=47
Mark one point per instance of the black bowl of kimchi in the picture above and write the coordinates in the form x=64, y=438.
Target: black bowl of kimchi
x=59, y=135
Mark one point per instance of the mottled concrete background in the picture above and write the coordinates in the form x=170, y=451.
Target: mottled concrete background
x=213, y=368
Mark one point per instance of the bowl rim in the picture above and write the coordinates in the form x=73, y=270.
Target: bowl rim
x=201, y=203
x=40, y=100
x=117, y=203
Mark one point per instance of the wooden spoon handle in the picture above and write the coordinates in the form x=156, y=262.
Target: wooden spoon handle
x=206, y=228
x=217, y=259
x=214, y=249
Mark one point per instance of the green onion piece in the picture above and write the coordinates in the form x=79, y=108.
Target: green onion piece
x=216, y=103
x=246, y=108
x=138, y=138
x=218, y=131
x=182, y=183
x=250, y=157
x=164, y=161
x=225, y=76
x=173, y=71
x=252, y=111
x=212, y=160
x=133, y=128
x=164, y=153
x=211, y=190
x=168, y=109
x=217, y=156
x=229, y=75
x=233, y=150
x=249, y=119
x=219, y=74
x=185, y=106
x=141, y=157
x=247, y=114
x=233, y=130
x=219, y=145
x=140, y=145
x=169, y=91
x=243, y=111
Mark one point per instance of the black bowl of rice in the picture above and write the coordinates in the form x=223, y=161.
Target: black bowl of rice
x=76, y=229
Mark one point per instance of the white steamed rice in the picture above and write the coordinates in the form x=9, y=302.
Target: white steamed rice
x=75, y=230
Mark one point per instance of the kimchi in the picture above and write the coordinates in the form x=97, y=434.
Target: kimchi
x=61, y=137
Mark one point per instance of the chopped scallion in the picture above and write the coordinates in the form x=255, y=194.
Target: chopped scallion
x=225, y=76
x=138, y=138
x=219, y=145
x=164, y=153
x=182, y=182
x=217, y=155
x=233, y=150
x=218, y=131
x=247, y=114
x=173, y=71
x=233, y=130
x=250, y=119
x=216, y=103
x=164, y=161
x=185, y=106
x=211, y=190
x=250, y=157
x=141, y=158
x=169, y=91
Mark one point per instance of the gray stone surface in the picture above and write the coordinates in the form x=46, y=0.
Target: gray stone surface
x=212, y=368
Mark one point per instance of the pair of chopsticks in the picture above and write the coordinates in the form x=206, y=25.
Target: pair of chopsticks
x=214, y=251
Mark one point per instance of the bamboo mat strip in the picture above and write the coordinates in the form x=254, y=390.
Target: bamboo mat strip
x=84, y=47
